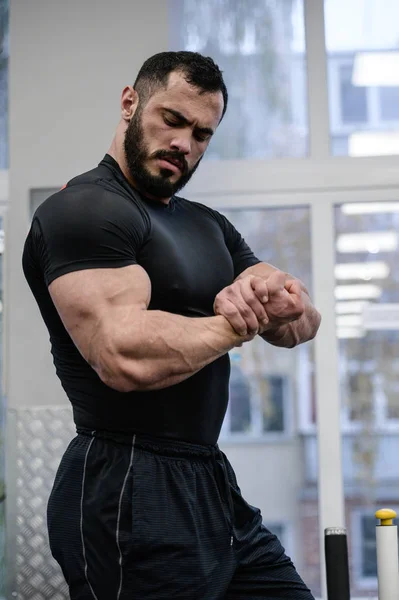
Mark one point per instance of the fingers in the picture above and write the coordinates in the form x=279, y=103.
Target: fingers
x=255, y=294
x=246, y=312
x=240, y=304
x=295, y=289
x=276, y=282
x=260, y=288
x=239, y=318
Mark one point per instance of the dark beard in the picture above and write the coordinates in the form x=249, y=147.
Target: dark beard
x=136, y=154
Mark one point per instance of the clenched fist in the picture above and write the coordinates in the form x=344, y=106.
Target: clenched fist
x=255, y=305
x=243, y=304
x=285, y=301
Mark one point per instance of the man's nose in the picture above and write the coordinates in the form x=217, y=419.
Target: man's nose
x=182, y=143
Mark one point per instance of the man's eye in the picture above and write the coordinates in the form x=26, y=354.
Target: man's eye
x=200, y=137
x=170, y=123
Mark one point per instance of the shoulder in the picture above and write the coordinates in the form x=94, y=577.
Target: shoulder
x=91, y=201
x=99, y=192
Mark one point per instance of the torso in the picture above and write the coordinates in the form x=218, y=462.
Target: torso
x=183, y=249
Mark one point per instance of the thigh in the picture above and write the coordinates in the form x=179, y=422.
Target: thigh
x=264, y=571
x=88, y=519
x=182, y=542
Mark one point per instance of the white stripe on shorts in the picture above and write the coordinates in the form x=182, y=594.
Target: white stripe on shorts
x=119, y=516
x=81, y=516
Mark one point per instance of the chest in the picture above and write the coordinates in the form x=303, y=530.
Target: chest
x=187, y=261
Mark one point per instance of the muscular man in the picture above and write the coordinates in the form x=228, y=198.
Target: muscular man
x=144, y=293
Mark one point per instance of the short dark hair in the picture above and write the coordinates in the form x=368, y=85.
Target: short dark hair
x=199, y=71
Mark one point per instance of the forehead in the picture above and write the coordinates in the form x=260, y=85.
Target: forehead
x=204, y=108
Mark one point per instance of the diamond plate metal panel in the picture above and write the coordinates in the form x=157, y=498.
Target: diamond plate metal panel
x=42, y=436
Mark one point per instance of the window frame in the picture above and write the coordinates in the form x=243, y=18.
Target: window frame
x=382, y=423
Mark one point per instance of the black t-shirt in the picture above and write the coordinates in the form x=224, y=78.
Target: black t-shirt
x=190, y=253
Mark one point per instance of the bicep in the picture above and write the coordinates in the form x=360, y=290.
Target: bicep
x=95, y=305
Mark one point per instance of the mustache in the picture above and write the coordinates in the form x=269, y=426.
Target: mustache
x=170, y=155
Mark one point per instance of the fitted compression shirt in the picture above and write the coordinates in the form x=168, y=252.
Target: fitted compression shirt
x=189, y=251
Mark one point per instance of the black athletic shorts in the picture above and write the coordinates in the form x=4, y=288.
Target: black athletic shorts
x=140, y=518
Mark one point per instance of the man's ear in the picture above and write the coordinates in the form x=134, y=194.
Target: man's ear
x=129, y=103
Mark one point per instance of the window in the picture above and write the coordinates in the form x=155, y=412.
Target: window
x=3, y=84
x=2, y=428
x=3, y=165
x=360, y=394
x=273, y=391
x=367, y=298
x=353, y=99
x=264, y=399
x=391, y=389
x=368, y=543
x=4, y=7
x=364, y=116
x=389, y=103
x=239, y=397
x=367, y=291
x=266, y=381
x=260, y=49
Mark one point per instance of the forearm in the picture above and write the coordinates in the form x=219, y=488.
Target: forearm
x=161, y=349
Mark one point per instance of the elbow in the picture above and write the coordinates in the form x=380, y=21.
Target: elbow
x=120, y=378
x=131, y=376
x=120, y=384
x=115, y=370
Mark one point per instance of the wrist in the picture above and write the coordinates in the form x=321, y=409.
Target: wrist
x=221, y=325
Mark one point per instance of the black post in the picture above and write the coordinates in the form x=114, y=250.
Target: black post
x=337, y=564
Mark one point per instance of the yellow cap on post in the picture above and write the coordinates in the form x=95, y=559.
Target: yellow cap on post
x=386, y=515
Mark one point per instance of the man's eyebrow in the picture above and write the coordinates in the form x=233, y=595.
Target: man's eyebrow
x=183, y=119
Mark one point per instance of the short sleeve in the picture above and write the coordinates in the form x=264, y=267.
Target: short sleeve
x=241, y=253
x=86, y=227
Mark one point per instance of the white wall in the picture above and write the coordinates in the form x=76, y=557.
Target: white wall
x=69, y=61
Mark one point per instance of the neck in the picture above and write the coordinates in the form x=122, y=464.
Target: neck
x=117, y=152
